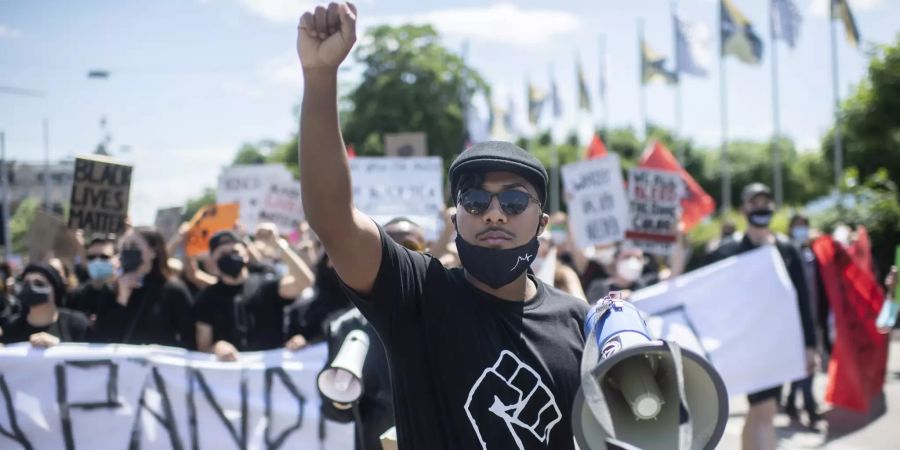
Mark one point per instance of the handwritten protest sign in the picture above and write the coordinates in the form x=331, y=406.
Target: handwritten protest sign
x=168, y=220
x=208, y=221
x=406, y=144
x=248, y=185
x=100, y=190
x=387, y=188
x=598, y=209
x=76, y=396
x=655, y=197
x=283, y=206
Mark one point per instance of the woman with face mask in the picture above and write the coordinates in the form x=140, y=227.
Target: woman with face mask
x=42, y=322
x=150, y=307
x=628, y=266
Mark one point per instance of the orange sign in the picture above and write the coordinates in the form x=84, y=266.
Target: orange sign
x=208, y=221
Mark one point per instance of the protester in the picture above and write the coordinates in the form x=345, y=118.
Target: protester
x=43, y=322
x=759, y=207
x=453, y=336
x=9, y=307
x=102, y=265
x=628, y=267
x=244, y=311
x=150, y=307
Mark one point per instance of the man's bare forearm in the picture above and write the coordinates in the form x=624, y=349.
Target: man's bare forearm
x=324, y=170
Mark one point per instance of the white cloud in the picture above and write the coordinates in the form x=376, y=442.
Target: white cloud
x=503, y=22
x=282, y=72
x=819, y=8
x=9, y=32
x=279, y=10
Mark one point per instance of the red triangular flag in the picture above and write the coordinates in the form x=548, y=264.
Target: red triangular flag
x=596, y=150
x=351, y=152
x=696, y=204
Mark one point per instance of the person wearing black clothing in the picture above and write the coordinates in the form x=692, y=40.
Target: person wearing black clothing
x=759, y=207
x=44, y=324
x=627, y=275
x=102, y=264
x=244, y=311
x=484, y=356
x=149, y=307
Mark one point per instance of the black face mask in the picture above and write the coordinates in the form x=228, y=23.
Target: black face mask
x=34, y=295
x=496, y=267
x=231, y=264
x=760, y=218
x=131, y=259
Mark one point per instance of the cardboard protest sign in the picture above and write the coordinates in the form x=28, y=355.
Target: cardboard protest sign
x=598, y=209
x=387, y=188
x=655, y=197
x=208, y=221
x=168, y=220
x=99, y=202
x=283, y=206
x=248, y=185
x=48, y=233
x=406, y=144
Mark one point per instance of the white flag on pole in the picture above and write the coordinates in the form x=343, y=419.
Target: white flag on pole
x=693, y=54
x=786, y=21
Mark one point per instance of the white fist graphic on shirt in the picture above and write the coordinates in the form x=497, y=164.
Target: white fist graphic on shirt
x=512, y=394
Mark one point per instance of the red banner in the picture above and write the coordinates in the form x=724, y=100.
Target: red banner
x=859, y=354
x=696, y=204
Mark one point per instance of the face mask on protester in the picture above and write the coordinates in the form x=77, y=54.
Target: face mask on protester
x=800, y=234
x=131, y=259
x=760, y=218
x=230, y=264
x=33, y=295
x=629, y=269
x=496, y=267
x=99, y=269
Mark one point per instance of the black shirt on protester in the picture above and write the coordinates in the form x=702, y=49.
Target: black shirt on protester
x=250, y=316
x=70, y=326
x=461, y=360
x=794, y=264
x=88, y=297
x=159, y=312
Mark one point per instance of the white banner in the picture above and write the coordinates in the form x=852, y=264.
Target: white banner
x=598, y=209
x=78, y=396
x=741, y=313
x=248, y=186
x=283, y=206
x=655, y=206
x=386, y=188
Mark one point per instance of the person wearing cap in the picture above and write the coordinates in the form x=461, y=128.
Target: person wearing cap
x=481, y=356
x=759, y=208
x=244, y=311
x=43, y=322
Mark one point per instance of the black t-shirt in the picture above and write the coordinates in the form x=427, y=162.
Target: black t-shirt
x=468, y=369
x=159, y=312
x=250, y=316
x=88, y=297
x=70, y=326
x=794, y=264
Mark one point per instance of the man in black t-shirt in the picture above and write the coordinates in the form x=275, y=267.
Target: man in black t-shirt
x=758, y=206
x=482, y=357
x=102, y=264
x=244, y=311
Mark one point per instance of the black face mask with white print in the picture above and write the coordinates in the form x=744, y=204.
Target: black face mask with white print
x=496, y=267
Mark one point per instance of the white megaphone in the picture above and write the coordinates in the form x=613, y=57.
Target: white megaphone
x=341, y=382
x=637, y=393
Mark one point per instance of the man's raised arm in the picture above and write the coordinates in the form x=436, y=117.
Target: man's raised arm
x=351, y=239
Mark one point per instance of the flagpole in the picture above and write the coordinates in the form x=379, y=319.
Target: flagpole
x=554, y=150
x=603, y=80
x=643, y=99
x=776, y=115
x=679, y=149
x=838, y=143
x=725, y=164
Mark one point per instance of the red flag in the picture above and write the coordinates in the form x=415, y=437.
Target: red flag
x=859, y=357
x=596, y=150
x=351, y=152
x=696, y=204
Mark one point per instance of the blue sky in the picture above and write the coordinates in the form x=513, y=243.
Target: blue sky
x=193, y=79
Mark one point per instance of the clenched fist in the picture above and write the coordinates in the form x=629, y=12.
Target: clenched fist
x=326, y=35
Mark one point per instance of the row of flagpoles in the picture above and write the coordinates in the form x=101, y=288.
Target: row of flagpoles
x=692, y=56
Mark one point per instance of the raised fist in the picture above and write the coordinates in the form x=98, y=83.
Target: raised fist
x=326, y=35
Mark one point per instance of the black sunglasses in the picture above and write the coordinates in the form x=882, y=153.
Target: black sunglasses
x=477, y=201
x=98, y=256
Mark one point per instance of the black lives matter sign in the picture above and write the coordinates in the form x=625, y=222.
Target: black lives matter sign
x=99, y=200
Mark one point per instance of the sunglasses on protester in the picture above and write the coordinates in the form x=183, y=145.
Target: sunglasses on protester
x=98, y=256
x=512, y=202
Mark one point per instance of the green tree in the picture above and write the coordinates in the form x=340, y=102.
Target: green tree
x=193, y=205
x=20, y=223
x=410, y=83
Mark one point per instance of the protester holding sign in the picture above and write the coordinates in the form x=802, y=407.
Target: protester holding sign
x=43, y=322
x=244, y=311
x=463, y=344
x=150, y=307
